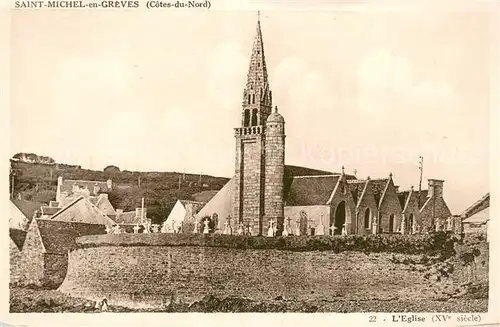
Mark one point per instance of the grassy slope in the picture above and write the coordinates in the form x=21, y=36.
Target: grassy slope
x=38, y=182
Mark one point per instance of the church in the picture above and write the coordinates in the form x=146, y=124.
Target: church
x=265, y=192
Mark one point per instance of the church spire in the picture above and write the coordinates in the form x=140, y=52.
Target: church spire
x=257, y=93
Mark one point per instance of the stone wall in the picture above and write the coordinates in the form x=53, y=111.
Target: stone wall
x=390, y=206
x=14, y=261
x=312, y=212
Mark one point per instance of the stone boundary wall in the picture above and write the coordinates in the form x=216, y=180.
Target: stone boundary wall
x=150, y=270
x=410, y=244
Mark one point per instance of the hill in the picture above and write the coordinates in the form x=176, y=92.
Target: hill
x=38, y=182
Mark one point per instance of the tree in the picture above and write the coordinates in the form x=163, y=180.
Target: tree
x=111, y=169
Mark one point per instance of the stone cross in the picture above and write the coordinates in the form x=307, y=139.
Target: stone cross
x=173, y=226
x=374, y=227
x=155, y=228
x=270, y=231
x=205, y=228
x=226, y=228
x=449, y=223
x=403, y=225
x=136, y=229
x=438, y=225
x=297, y=227
x=108, y=230
x=146, y=228
x=116, y=229
x=320, y=229
x=250, y=230
x=240, y=229
x=286, y=227
x=333, y=228
x=196, y=226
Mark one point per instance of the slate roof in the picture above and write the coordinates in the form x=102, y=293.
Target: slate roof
x=97, y=217
x=128, y=217
x=58, y=237
x=483, y=202
x=17, y=236
x=49, y=210
x=28, y=208
x=403, y=197
x=185, y=202
x=310, y=190
x=378, y=186
x=480, y=217
x=67, y=185
x=357, y=187
x=204, y=196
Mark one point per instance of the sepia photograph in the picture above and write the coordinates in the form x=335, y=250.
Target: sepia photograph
x=170, y=157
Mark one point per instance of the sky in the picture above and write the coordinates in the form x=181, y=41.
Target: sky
x=161, y=90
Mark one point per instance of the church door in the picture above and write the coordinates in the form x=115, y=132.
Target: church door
x=339, y=218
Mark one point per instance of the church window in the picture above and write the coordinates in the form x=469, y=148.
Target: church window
x=247, y=118
x=367, y=218
x=253, y=98
x=254, y=117
x=249, y=98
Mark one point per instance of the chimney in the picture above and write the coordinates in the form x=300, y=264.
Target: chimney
x=96, y=189
x=435, y=188
x=109, y=183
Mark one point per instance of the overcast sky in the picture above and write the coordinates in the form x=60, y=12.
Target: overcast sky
x=161, y=90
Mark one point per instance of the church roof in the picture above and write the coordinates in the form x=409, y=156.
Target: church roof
x=204, y=196
x=310, y=190
x=378, y=186
x=403, y=197
x=58, y=237
x=357, y=187
x=221, y=203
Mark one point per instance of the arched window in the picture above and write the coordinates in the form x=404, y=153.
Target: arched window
x=249, y=97
x=367, y=218
x=254, y=117
x=253, y=98
x=247, y=118
x=392, y=225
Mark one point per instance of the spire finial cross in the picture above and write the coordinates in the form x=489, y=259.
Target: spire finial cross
x=258, y=15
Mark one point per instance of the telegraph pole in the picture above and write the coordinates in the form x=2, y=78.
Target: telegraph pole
x=421, y=167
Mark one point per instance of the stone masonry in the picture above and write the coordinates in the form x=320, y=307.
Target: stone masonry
x=260, y=150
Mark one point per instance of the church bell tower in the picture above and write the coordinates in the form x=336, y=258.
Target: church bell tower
x=258, y=197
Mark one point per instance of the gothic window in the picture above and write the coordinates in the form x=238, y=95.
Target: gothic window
x=254, y=117
x=367, y=218
x=249, y=98
x=391, y=223
x=253, y=98
x=247, y=118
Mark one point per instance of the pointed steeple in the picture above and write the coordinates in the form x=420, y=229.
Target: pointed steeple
x=257, y=95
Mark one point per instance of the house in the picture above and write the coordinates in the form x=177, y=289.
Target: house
x=69, y=188
x=29, y=209
x=82, y=210
x=475, y=219
x=16, y=242
x=127, y=220
x=44, y=256
x=183, y=210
